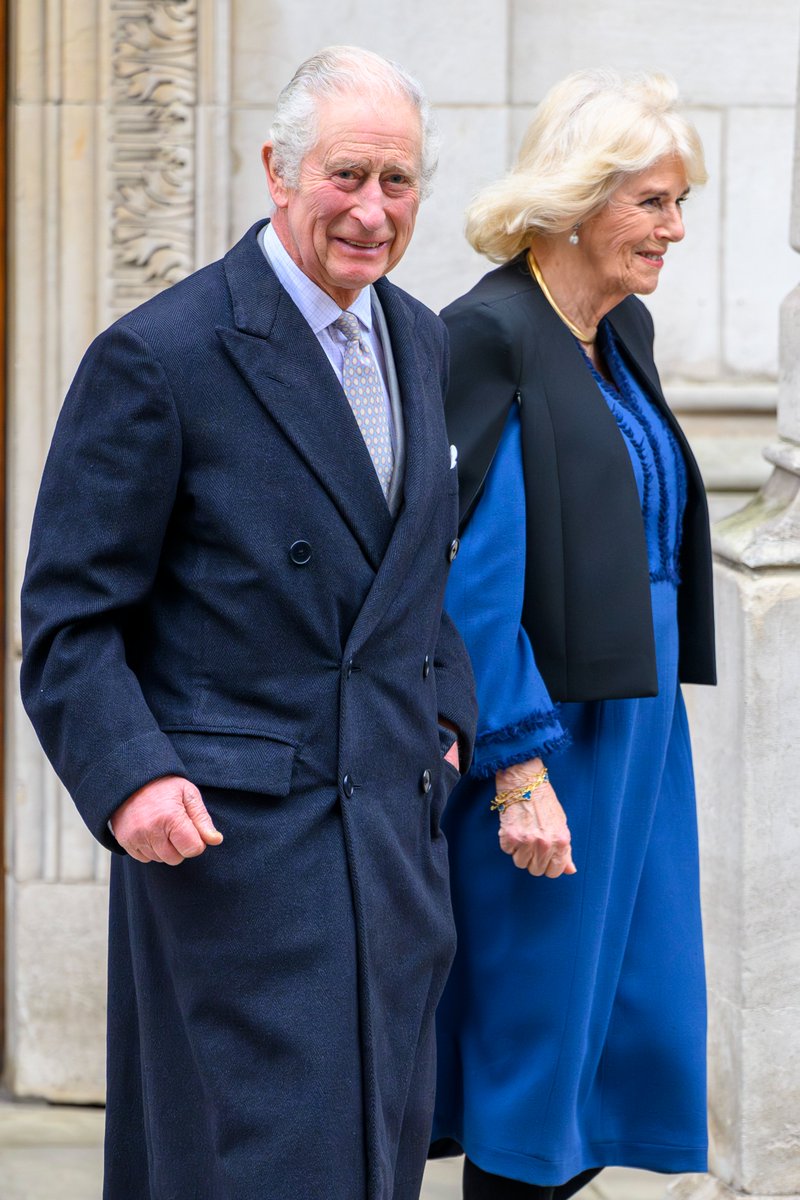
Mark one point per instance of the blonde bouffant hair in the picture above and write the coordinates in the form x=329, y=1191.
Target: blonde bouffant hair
x=590, y=132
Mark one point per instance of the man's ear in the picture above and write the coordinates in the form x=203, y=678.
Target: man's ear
x=277, y=188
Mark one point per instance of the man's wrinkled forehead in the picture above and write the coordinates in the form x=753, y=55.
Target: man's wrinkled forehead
x=353, y=126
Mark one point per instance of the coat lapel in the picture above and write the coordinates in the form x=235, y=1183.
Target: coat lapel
x=426, y=444
x=628, y=329
x=281, y=360
x=416, y=379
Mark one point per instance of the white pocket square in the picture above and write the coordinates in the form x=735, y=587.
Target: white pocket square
x=453, y=456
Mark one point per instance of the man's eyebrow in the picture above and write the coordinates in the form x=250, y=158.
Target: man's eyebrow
x=360, y=164
x=344, y=164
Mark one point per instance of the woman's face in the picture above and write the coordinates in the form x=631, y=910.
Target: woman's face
x=624, y=244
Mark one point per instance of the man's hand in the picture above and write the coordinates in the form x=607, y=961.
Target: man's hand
x=166, y=821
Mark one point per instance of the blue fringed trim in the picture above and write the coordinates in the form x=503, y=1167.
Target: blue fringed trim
x=536, y=720
x=668, y=574
x=647, y=472
x=550, y=747
x=612, y=351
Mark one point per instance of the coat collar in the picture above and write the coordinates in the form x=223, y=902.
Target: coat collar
x=282, y=361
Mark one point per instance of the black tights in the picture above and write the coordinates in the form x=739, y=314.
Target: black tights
x=480, y=1185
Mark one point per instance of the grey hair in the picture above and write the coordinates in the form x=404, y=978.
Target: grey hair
x=591, y=131
x=332, y=72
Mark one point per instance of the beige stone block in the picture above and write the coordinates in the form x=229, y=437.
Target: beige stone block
x=57, y=996
x=214, y=183
x=43, y=1143
x=748, y=759
x=759, y=265
x=520, y=117
x=720, y=53
x=723, y=504
x=705, y=1187
x=729, y=448
x=57, y=54
x=80, y=218
x=30, y=786
x=250, y=199
x=789, y=378
x=80, y=52
x=28, y=47
x=28, y=427
x=724, y=1077
x=439, y=264
x=48, y=840
x=686, y=304
x=457, y=48
x=771, y=1101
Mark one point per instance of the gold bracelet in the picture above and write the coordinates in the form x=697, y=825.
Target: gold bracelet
x=516, y=795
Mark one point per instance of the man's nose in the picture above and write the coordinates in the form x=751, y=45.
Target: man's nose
x=369, y=208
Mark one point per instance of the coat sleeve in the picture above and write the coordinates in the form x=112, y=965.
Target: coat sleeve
x=517, y=719
x=106, y=497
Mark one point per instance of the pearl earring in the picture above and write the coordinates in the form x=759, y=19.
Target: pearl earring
x=573, y=237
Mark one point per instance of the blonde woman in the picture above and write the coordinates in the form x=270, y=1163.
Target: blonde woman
x=572, y=1031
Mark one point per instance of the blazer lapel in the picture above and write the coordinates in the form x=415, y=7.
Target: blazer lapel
x=281, y=360
x=630, y=333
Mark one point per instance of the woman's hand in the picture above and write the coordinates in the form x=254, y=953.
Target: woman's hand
x=535, y=832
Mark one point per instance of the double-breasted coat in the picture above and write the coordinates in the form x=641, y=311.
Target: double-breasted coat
x=216, y=589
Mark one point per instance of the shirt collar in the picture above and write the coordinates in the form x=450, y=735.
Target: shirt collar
x=316, y=306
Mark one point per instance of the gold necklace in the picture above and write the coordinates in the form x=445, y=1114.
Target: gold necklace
x=535, y=271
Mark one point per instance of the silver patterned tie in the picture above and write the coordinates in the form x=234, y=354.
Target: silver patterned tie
x=362, y=386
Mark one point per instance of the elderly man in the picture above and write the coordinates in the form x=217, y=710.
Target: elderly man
x=232, y=625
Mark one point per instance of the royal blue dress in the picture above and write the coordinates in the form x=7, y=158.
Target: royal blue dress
x=571, y=1034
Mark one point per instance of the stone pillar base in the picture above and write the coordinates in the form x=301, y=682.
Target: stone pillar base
x=706, y=1187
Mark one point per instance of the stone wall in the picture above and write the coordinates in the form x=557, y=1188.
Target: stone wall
x=136, y=127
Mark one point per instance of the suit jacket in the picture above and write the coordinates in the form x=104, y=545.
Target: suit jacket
x=587, y=598
x=216, y=589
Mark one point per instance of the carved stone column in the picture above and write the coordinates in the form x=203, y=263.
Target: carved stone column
x=120, y=179
x=749, y=729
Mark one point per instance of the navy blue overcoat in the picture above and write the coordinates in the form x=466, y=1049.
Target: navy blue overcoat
x=216, y=589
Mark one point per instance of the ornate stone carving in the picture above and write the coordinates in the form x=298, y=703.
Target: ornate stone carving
x=152, y=134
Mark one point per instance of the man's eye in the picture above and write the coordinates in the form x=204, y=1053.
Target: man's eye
x=346, y=174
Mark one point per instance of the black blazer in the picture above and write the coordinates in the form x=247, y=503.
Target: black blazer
x=587, y=604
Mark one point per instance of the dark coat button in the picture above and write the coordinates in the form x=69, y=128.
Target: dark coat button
x=300, y=553
x=426, y=666
x=347, y=786
x=349, y=668
x=453, y=551
x=426, y=783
